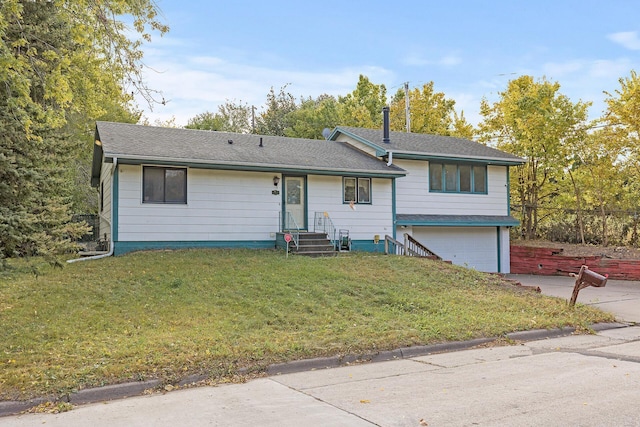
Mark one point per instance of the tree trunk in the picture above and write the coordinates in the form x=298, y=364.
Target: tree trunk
x=576, y=191
x=603, y=212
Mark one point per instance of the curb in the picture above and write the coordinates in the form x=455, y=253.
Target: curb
x=121, y=391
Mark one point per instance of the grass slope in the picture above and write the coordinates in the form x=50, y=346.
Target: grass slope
x=170, y=314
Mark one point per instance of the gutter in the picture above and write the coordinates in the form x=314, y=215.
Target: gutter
x=112, y=245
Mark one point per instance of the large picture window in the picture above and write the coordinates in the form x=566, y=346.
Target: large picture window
x=164, y=185
x=457, y=178
x=356, y=190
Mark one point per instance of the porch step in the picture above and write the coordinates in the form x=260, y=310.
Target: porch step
x=313, y=245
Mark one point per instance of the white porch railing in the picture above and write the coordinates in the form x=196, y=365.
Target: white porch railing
x=322, y=224
x=289, y=225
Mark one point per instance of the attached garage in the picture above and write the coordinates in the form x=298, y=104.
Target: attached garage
x=481, y=243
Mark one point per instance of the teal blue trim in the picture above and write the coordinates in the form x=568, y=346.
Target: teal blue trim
x=115, y=197
x=126, y=247
x=357, y=198
x=450, y=159
x=306, y=200
x=252, y=168
x=472, y=178
x=460, y=223
x=499, y=251
x=393, y=207
x=368, y=245
x=283, y=205
x=381, y=151
x=508, y=192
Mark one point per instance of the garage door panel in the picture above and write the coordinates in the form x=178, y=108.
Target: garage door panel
x=473, y=247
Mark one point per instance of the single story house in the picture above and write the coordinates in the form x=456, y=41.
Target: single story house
x=173, y=188
x=178, y=188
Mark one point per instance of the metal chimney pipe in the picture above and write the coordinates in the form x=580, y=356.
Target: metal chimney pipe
x=385, y=125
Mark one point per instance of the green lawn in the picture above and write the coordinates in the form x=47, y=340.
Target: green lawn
x=170, y=314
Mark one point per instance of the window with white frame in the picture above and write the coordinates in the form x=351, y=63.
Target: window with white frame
x=356, y=190
x=164, y=185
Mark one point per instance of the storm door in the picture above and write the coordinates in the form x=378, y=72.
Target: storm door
x=295, y=203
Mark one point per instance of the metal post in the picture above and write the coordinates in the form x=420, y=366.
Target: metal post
x=406, y=107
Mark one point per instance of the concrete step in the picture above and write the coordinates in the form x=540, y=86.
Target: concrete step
x=314, y=245
x=315, y=248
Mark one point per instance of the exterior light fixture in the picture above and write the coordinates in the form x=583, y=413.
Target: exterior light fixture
x=276, y=180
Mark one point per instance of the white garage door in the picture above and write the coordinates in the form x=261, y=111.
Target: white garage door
x=473, y=247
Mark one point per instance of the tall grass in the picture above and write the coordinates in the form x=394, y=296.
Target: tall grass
x=170, y=314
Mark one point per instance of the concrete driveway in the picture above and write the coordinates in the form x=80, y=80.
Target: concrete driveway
x=619, y=297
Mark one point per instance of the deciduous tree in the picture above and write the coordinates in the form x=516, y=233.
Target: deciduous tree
x=277, y=116
x=312, y=117
x=231, y=117
x=363, y=106
x=532, y=119
x=63, y=64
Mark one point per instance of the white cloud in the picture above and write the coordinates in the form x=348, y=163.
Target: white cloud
x=610, y=69
x=628, y=39
x=417, y=60
x=194, y=85
x=450, y=60
x=467, y=103
x=557, y=70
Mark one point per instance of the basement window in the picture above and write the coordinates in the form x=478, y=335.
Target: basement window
x=164, y=185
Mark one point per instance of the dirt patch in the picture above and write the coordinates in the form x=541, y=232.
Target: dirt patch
x=577, y=250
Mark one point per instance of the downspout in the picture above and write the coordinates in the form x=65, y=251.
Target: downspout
x=112, y=244
x=390, y=158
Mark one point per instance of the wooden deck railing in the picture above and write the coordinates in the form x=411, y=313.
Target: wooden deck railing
x=410, y=247
x=392, y=246
x=415, y=248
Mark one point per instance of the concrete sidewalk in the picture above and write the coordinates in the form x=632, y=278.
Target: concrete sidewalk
x=579, y=380
x=619, y=297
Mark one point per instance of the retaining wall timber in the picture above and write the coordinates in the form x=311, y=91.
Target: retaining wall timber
x=551, y=262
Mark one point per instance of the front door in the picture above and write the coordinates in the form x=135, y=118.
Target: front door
x=295, y=203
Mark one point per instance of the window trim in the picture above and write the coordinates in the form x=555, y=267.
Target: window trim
x=357, y=198
x=472, y=176
x=164, y=201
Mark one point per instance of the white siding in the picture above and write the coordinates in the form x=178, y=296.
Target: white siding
x=240, y=206
x=359, y=145
x=363, y=223
x=413, y=196
x=472, y=247
x=105, y=214
x=221, y=206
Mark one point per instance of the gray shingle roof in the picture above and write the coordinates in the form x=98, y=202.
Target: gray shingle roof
x=212, y=149
x=425, y=145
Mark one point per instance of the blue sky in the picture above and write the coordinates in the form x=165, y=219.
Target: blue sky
x=237, y=50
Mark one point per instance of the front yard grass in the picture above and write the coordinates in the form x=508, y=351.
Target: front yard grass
x=174, y=313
